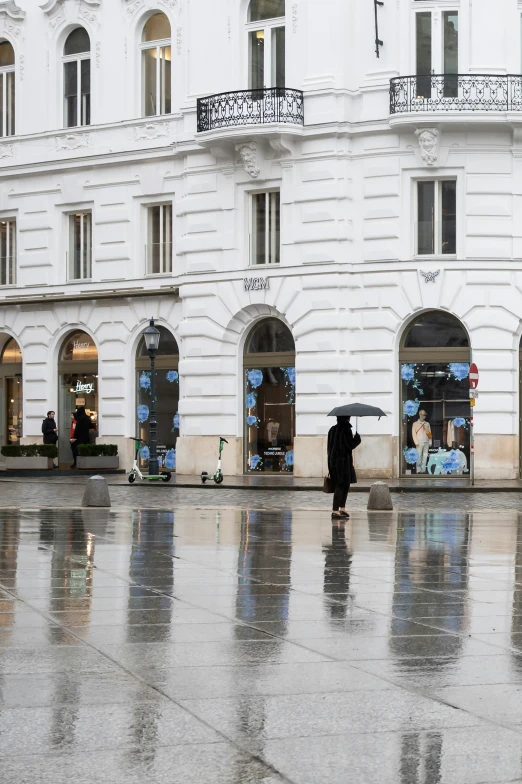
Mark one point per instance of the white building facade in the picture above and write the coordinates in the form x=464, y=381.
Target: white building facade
x=317, y=201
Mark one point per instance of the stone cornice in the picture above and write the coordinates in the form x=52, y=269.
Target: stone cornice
x=50, y=6
x=10, y=8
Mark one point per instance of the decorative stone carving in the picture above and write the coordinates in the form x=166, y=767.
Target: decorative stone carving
x=151, y=131
x=98, y=54
x=294, y=18
x=133, y=5
x=248, y=154
x=429, y=144
x=72, y=141
x=9, y=8
x=6, y=151
x=429, y=277
x=51, y=6
x=21, y=67
x=179, y=40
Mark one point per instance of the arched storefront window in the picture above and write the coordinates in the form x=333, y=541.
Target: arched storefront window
x=78, y=385
x=11, y=394
x=269, y=411
x=156, y=54
x=77, y=79
x=435, y=409
x=167, y=398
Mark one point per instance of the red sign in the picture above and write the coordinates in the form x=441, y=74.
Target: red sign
x=473, y=376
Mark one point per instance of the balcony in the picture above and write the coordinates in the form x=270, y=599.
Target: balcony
x=271, y=106
x=452, y=95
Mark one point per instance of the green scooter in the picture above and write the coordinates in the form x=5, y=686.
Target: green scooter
x=165, y=476
x=218, y=476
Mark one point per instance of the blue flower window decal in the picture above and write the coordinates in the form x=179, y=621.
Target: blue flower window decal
x=411, y=456
x=255, y=378
x=145, y=380
x=452, y=462
x=144, y=453
x=143, y=413
x=251, y=400
x=289, y=459
x=170, y=459
x=172, y=376
x=290, y=374
x=251, y=421
x=175, y=422
x=459, y=370
x=459, y=422
x=255, y=462
x=408, y=372
x=411, y=407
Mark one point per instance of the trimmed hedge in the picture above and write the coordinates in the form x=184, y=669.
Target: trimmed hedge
x=30, y=450
x=97, y=450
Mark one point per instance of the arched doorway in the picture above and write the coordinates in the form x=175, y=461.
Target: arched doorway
x=78, y=385
x=11, y=394
x=434, y=363
x=167, y=397
x=269, y=416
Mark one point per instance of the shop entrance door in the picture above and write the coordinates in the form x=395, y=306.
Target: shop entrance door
x=11, y=395
x=78, y=386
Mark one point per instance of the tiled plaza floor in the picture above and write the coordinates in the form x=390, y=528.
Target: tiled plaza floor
x=260, y=646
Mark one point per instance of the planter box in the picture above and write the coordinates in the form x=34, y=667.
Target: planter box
x=28, y=463
x=94, y=463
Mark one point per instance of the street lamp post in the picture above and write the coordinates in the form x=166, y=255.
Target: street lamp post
x=152, y=338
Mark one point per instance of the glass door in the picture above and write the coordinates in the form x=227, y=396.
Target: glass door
x=423, y=54
x=450, y=20
x=13, y=403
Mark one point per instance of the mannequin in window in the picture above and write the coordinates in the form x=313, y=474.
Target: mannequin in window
x=421, y=434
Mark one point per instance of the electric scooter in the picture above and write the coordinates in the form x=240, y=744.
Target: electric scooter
x=218, y=476
x=165, y=476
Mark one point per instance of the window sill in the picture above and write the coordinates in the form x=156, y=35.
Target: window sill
x=263, y=266
x=75, y=281
x=159, y=274
x=437, y=257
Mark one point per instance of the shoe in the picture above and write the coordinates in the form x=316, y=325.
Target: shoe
x=345, y=514
x=336, y=516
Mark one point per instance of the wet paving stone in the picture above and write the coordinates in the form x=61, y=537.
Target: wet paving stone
x=233, y=645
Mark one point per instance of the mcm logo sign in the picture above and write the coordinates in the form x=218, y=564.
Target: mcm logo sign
x=256, y=284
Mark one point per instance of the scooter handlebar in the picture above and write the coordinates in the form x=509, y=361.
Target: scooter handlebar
x=223, y=439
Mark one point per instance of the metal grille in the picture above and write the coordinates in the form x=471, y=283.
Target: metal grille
x=251, y=107
x=455, y=93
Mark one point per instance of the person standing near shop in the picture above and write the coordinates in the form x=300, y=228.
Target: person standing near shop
x=81, y=432
x=341, y=443
x=50, y=431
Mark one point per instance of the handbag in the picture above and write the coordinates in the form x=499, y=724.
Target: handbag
x=328, y=485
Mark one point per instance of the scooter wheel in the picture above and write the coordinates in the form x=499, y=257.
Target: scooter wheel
x=218, y=479
x=132, y=478
x=166, y=476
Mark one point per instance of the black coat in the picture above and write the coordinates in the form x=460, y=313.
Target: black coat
x=81, y=431
x=341, y=443
x=48, y=428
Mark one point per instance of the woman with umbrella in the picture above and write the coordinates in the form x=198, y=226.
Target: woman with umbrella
x=341, y=443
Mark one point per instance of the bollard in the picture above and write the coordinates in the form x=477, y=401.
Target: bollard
x=380, y=497
x=96, y=492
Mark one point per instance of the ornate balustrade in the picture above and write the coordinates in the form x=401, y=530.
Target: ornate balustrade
x=251, y=107
x=455, y=93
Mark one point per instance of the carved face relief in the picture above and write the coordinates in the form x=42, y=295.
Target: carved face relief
x=428, y=144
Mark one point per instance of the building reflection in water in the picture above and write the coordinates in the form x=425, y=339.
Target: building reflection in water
x=337, y=562
x=265, y=553
x=151, y=566
x=516, y=617
x=421, y=758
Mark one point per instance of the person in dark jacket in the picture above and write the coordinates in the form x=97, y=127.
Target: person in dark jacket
x=49, y=429
x=81, y=432
x=341, y=443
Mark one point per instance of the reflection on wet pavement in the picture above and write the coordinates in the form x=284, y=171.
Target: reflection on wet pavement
x=235, y=646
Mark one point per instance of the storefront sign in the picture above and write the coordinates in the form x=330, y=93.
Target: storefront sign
x=78, y=345
x=87, y=389
x=256, y=284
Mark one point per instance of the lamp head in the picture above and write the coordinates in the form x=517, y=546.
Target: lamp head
x=152, y=337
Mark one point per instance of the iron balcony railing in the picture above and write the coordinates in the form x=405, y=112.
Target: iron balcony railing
x=251, y=107
x=456, y=93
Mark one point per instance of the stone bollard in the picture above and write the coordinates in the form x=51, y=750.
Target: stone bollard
x=96, y=492
x=380, y=498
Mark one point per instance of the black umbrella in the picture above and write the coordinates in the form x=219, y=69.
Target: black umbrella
x=357, y=410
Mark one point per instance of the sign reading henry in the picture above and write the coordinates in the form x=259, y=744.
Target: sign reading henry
x=86, y=389
x=256, y=284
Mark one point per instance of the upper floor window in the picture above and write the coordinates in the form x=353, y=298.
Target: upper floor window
x=437, y=53
x=7, y=89
x=156, y=66
x=266, y=43
x=80, y=246
x=7, y=252
x=436, y=217
x=266, y=228
x=77, y=79
x=159, y=245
